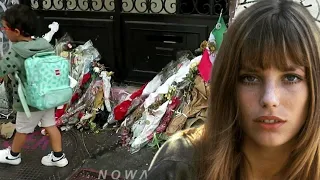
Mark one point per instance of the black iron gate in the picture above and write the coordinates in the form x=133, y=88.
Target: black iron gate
x=135, y=37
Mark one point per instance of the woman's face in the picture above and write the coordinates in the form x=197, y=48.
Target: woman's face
x=273, y=104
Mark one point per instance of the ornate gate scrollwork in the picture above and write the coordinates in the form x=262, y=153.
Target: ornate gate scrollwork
x=75, y=5
x=201, y=7
x=149, y=6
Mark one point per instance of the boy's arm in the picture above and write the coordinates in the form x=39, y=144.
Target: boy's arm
x=9, y=64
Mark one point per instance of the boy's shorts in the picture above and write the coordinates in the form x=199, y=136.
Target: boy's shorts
x=27, y=125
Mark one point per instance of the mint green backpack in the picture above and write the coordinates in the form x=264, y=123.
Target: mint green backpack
x=48, y=83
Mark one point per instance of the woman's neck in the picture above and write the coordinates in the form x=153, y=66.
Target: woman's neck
x=265, y=163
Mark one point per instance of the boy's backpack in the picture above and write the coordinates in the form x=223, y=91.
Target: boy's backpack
x=48, y=83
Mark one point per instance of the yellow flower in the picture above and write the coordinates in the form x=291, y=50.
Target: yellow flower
x=110, y=73
x=204, y=45
x=194, y=65
x=64, y=54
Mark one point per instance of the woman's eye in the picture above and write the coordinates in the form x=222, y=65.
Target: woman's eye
x=290, y=78
x=249, y=79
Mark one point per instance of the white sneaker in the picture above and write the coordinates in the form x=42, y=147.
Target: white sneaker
x=7, y=158
x=51, y=160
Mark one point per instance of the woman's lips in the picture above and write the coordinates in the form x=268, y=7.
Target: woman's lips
x=270, y=122
x=268, y=118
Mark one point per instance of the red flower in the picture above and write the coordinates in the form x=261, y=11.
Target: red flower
x=121, y=110
x=60, y=112
x=74, y=98
x=166, y=119
x=85, y=79
x=81, y=114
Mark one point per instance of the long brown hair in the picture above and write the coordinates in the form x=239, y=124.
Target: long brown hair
x=269, y=33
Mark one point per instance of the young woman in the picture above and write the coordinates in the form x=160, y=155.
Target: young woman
x=264, y=109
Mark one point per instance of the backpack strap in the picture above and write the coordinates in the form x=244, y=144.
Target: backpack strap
x=21, y=92
x=44, y=54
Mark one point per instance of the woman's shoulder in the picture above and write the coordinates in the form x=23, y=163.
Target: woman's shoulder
x=174, y=160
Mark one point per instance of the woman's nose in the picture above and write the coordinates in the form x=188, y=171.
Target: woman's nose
x=270, y=96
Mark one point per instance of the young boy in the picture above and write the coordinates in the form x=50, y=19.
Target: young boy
x=19, y=24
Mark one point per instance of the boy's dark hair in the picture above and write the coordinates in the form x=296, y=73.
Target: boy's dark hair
x=21, y=17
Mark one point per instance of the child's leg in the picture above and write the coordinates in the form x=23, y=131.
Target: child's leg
x=57, y=157
x=24, y=126
x=18, y=142
x=55, y=138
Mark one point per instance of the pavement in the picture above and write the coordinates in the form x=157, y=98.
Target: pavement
x=90, y=155
x=119, y=164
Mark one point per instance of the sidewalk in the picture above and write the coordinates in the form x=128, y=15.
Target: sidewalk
x=117, y=163
x=81, y=149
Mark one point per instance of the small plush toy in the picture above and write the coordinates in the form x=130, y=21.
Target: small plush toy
x=54, y=28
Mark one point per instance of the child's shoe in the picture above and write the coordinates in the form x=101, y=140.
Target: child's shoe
x=51, y=160
x=7, y=158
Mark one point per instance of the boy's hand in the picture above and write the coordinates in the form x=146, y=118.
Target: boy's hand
x=1, y=80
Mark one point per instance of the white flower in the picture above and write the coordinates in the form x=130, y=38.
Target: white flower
x=96, y=69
